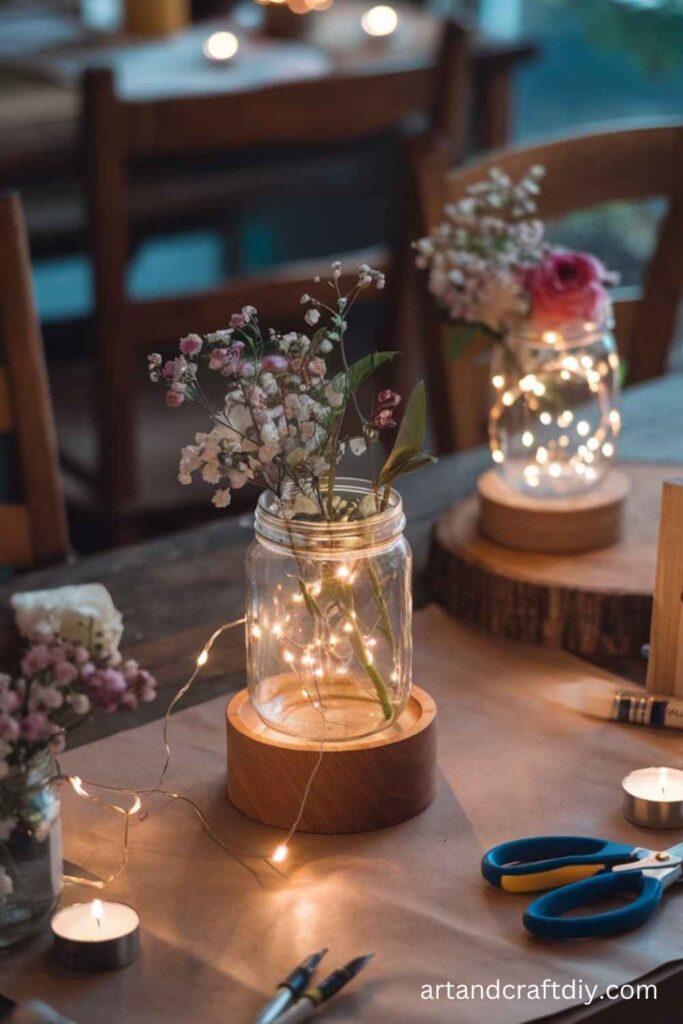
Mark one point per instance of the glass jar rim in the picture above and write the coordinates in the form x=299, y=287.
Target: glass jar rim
x=326, y=536
x=568, y=335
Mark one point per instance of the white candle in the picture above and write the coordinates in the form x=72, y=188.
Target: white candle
x=96, y=936
x=654, y=797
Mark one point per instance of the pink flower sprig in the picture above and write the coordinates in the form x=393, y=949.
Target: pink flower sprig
x=279, y=426
x=60, y=685
x=490, y=267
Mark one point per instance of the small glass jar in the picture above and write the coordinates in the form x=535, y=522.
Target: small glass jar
x=329, y=618
x=30, y=848
x=555, y=419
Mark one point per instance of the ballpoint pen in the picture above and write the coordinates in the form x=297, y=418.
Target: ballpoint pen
x=314, y=997
x=290, y=989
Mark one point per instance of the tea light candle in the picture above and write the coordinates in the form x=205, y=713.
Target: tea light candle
x=97, y=936
x=653, y=797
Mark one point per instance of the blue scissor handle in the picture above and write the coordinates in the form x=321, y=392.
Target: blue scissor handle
x=546, y=862
x=543, y=916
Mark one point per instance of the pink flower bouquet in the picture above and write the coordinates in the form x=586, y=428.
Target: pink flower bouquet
x=492, y=271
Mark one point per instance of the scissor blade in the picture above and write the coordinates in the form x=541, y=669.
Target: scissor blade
x=676, y=851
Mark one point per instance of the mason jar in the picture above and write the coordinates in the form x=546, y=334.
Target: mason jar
x=30, y=848
x=329, y=616
x=554, y=419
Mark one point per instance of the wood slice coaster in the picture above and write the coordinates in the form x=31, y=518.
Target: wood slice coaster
x=579, y=522
x=596, y=604
x=360, y=785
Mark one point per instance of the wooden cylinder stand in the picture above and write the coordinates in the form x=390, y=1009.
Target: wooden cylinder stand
x=596, y=603
x=581, y=522
x=360, y=785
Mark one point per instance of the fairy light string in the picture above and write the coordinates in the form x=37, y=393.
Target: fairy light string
x=82, y=788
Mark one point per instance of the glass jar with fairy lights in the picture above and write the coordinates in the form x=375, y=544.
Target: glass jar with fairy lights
x=329, y=606
x=554, y=419
x=329, y=617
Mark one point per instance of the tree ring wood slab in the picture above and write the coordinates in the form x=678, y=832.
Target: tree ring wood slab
x=579, y=522
x=360, y=785
x=596, y=604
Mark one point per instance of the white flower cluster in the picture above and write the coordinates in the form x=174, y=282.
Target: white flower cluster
x=478, y=255
x=279, y=426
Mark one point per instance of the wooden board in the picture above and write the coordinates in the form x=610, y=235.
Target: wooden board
x=596, y=604
x=363, y=784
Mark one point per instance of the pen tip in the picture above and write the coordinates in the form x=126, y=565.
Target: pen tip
x=359, y=963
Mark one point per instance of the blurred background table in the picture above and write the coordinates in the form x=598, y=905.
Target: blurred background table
x=44, y=51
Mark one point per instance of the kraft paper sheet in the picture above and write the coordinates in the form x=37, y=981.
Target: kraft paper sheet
x=216, y=938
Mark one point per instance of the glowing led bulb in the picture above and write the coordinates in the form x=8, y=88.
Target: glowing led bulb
x=555, y=469
x=565, y=418
x=279, y=853
x=592, y=443
x=608, y=449
x=380, y=21
x=288, y=657
x=497, y=455
x=539, y=389
x=508, y=398
x=542, y=455
x=583, y=428
x=343, y=572
x=202, y=658
x=498, y=380
x=256, y=631
x=546, y=419
x=527, y=439
x=570, y=363
x=221, y=46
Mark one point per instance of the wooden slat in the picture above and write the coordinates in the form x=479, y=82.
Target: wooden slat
x=6, y=413
x=634, y=162
x=25, y=363
x=276, y=296
x=299, y=113
x=16, y=549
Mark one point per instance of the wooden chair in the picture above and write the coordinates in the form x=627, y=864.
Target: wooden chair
x=122, y=135
x=32, y=518
x=626, y=163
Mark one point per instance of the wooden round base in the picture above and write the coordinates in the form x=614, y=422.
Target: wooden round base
x=360, y=785
x=580, y=522
x=597, y=604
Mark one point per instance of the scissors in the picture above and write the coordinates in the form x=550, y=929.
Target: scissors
x=582, y=871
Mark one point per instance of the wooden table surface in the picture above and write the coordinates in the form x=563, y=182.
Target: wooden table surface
x=175, y=590
x=43, y=53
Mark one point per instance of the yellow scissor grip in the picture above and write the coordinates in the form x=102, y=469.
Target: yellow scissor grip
x=553, y=879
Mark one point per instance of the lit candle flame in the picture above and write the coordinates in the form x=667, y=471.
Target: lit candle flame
x=663, y=779
x=97, y=911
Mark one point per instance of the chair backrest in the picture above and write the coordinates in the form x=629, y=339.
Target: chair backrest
x=626, y=163
x=32, y=518
x=338, y=109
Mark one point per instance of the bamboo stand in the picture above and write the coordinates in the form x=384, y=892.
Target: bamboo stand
x=665, y=665
x=360, y=785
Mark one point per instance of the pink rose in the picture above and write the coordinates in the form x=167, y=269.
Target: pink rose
x=218, y=357
x=274, y=363
x=191, y=345
x=566, y=287
x=174, y=399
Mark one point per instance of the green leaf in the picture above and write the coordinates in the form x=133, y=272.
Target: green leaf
x=360, y=370
x=407, y=451
x=464, y=335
